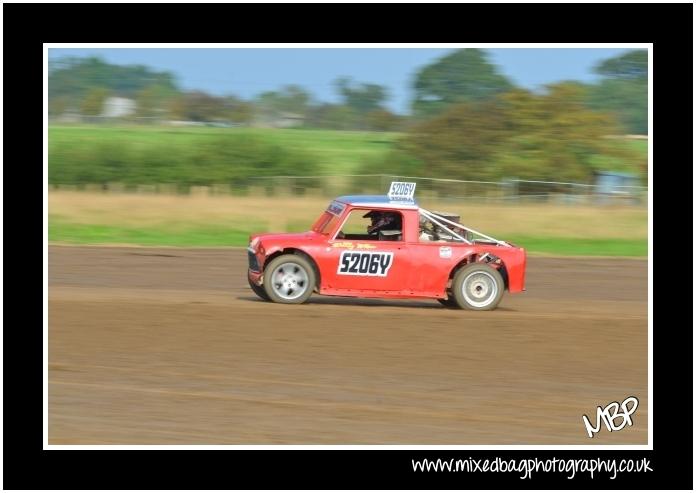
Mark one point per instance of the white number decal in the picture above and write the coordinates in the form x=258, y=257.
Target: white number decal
x=365, y=263
x=401, y=190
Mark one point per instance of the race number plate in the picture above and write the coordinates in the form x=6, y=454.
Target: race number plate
x=400, y=190
x=352, y=263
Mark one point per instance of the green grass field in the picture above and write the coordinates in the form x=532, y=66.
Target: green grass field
x=60, y=231
x=338, y=152
x=228, y=236
x=170, y=220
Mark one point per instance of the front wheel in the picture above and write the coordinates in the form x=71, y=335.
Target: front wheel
x=450, y=302
x=289, y=279
x=478, y=287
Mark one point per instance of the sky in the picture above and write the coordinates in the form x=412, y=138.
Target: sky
x=246, y=72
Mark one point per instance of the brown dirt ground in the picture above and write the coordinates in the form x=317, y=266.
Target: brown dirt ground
x=170, y=346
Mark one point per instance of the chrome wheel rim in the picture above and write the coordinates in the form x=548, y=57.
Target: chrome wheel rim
x=289, y=281
x=479, y=289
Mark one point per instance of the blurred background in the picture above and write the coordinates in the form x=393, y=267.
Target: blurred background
x=201, y=147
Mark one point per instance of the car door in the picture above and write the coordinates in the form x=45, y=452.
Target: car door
x=365, y=264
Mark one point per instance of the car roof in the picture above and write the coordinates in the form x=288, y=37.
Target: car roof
x=378, y=201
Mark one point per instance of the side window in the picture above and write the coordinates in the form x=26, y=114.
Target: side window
x=356, y=224
x=428, y=231
x=373, y=225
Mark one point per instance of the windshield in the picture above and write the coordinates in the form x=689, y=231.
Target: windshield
x=326, y=223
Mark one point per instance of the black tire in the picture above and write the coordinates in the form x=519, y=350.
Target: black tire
x=259, y=291
x=289, y=279
x=478, y=286
x=450, y=302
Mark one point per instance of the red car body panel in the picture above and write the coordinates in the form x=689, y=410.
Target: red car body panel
x=418, y=269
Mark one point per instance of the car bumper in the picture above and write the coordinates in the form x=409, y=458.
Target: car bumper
x=254, y=272
x=256, y=277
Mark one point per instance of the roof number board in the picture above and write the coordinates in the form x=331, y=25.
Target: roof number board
x=400, y=190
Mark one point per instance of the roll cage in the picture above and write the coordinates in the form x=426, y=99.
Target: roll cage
x=441, y=221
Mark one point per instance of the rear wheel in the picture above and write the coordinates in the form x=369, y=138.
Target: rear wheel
x=478, y=287
x=259, y=291
x=289, y=279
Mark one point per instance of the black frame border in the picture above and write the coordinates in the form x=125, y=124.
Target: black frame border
x=27, y=26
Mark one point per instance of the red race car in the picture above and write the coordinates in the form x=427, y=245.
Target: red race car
x=385, y=246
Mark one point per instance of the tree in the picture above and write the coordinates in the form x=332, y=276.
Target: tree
x=624, y=90
x=294, y=99
x=362, y=98
x=460, y=143
x=629, y=66
x=93, y=104
x=382, y=120
x=197, y=106
x=175, y=108
x=332, y=116
x=289, y=99
x=57, y=106
x=238, y=110
x=462, y=76
x=73, y=78
x=555, y=136
x=151, y=101
x=550, y=136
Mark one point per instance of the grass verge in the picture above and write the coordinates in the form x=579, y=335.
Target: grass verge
x=95, y=234
x=601, y=247
x=237, y=235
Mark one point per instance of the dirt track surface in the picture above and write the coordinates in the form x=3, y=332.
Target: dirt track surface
x=170, y=346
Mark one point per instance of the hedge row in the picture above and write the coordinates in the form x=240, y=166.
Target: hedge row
x=204, y=161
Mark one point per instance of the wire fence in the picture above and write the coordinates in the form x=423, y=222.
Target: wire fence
x=441, y=189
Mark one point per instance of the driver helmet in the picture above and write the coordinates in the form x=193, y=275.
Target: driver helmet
x=381, y=220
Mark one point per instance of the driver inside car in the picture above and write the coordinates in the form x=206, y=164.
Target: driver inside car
x=381, y=221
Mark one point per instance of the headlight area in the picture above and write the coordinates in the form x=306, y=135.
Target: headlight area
x=253, y=261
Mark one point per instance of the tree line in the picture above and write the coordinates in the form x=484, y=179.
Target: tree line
x=468, y=121
x=551, y=136
x=82, y=85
